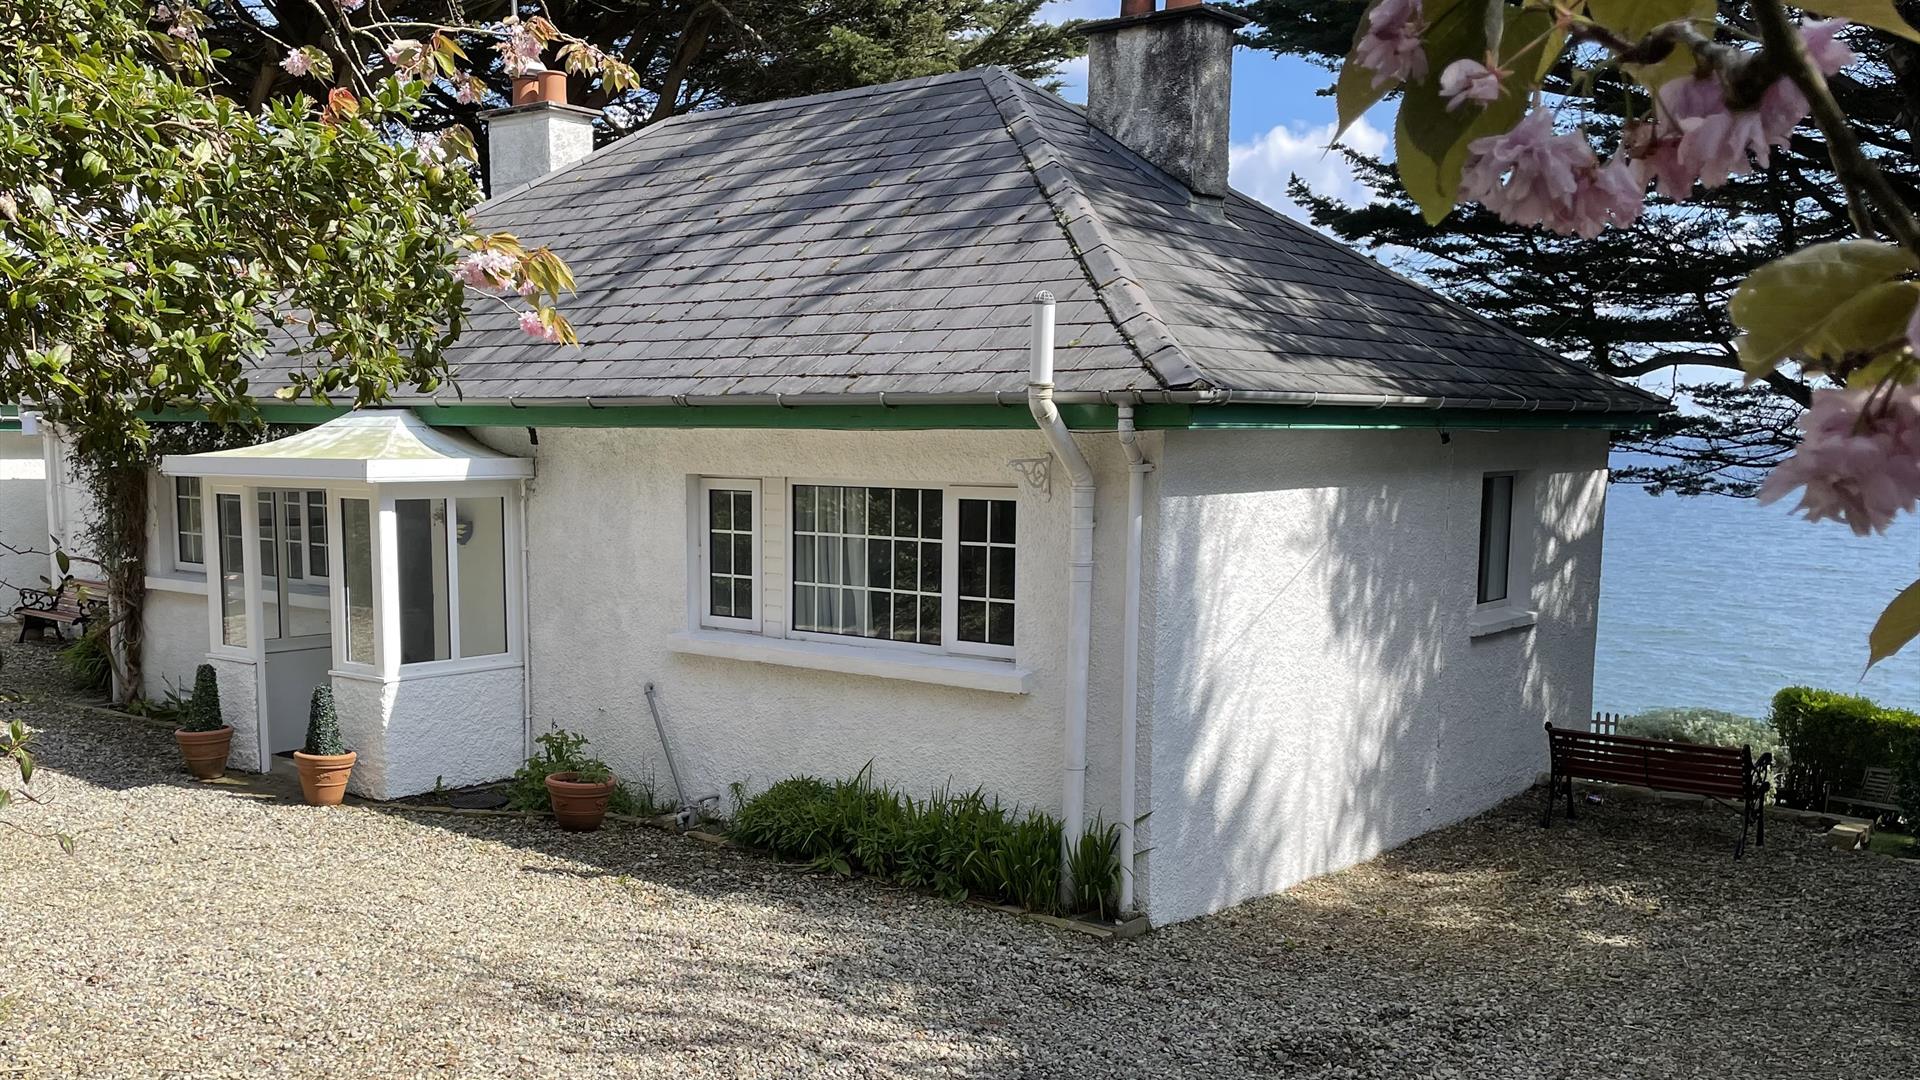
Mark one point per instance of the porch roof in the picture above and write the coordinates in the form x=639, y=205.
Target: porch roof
x=375, y=446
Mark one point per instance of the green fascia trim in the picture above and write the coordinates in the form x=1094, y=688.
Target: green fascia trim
x=9, y=425
x=956, y=417
x=1347, y=418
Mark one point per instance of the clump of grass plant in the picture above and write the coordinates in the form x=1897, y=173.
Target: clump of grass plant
x=86, y=663
x=953, y=843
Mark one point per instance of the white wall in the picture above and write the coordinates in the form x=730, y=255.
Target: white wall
x=23, y=515
x=608, y=531
x=174, y=644
x=1318, y=696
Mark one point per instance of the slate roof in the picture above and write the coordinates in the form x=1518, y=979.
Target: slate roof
x=890, y=239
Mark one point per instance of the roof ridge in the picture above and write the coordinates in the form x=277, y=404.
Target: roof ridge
x=679, y=120
x=1113, y=281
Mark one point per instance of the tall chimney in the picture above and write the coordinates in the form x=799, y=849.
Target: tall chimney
x=535, y=135
x=1159, y=81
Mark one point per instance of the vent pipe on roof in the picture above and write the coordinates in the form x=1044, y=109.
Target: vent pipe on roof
x=1159, y=81
x=535, y=135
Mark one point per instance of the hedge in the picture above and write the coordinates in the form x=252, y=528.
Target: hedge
x=1831, y=739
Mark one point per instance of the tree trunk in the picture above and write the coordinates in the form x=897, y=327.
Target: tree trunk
x=123, y=524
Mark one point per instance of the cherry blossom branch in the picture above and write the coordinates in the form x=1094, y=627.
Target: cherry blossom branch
x=1857, y=174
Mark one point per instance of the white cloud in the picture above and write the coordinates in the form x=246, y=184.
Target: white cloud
x=1262, y=168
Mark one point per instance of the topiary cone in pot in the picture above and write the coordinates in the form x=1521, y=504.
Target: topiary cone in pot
x=204, y=737
x=325, y=763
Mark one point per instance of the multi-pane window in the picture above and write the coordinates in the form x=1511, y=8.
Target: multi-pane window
x=190, y=539
x=867, y=561
x=730, y=559
x=317, y=533
x=1496, y=536
x=984, y=588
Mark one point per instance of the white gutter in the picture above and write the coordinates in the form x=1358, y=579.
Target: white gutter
x=882, y=399
x=1073, y=769
x=1138, y=468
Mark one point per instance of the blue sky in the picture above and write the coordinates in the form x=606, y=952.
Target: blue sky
x=1280, y=124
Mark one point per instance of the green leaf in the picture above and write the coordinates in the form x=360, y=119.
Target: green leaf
x=1354, y=92
x=1632, y=19
x=1430, y=141
x=1875, y=13
x=1867, y=323
x=65, y=841
x=1896, y=626
x=1782, y=304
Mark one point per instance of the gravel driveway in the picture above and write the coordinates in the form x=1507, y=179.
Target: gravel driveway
x=203, y=931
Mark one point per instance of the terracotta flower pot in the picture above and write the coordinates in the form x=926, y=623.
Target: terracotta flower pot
x=578, y=807
x=323, y=777
x=205, y=751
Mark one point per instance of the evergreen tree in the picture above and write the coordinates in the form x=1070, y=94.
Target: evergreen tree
x=323, y=725
x=1652, y=299
x=203, y=709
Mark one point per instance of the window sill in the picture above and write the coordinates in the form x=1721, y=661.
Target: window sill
x=966, y=672
x=1499, y=620
x=194, y=585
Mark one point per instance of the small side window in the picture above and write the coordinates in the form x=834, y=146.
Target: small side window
x=190, y=543
x=729, y=595
x=1496, y=536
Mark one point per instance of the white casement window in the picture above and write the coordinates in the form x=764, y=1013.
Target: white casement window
x=451, y=557
x=915, y=567
x=729, y=587
x=190, y=542
x=1496, y=537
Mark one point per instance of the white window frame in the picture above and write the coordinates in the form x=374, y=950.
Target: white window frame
x=170, y=489
x=950, y=645
x=703, y=586
x=950, y=580
x=1507, y=597
x=338, y=590
x=387, y=563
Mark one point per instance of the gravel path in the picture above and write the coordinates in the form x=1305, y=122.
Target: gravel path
x=203, y=931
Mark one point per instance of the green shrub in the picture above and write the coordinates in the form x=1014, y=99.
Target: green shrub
x=1831, y=739
x=955, y=844
x=1705, y=727
x=323, y=724
x=563, y=751
x=202, y=711
x=86, y=663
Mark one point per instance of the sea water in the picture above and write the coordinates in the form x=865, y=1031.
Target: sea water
x=1719, y=602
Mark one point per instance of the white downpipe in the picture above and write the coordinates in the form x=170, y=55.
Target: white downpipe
x=1138, y=468
x=526, y=619
x=1073, y=769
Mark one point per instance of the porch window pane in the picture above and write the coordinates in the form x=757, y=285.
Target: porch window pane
x=422, y=529
x=186, y=519
x=271, y=624
x=317, y=533
x=480, y=531
x=356, y=521
x=233, y=578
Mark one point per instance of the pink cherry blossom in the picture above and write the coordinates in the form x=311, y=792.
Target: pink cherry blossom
x=1468, y=80
x=1391, y=46
x=531, y=326
x=491, y=270
x=1858, y=460
x=1829, y=53
x=297, y=63
x=527, y=288
x=407, y=54
x=1656, y=158
x=1534, y=175
x=351, y=5
x=520, y=49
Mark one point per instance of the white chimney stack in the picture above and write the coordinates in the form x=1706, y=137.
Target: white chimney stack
x=537, y=134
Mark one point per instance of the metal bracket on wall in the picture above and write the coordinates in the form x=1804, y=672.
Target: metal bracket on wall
x=1037, y=473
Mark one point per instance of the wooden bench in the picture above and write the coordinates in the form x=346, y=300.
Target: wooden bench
x=1722, y=772
x=1876, y=792
x=71, y=603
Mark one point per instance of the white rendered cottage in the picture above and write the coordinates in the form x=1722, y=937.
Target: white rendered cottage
x=1242, y=542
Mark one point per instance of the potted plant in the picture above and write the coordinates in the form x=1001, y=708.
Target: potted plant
x=325, y=763
x=204, y=737
x=579, y=795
